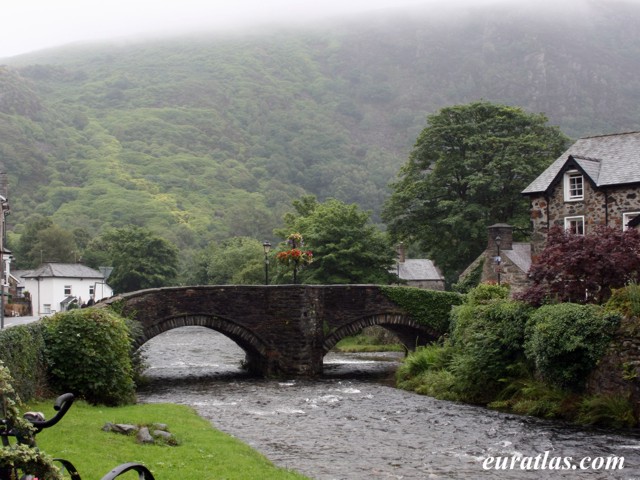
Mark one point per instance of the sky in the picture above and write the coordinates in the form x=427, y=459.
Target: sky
x=31, y=25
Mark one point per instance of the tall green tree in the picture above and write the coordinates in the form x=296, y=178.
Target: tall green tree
x=347, y=247
x=43, y=241
x=139, y=259
x=237, y=261
x=467, y=171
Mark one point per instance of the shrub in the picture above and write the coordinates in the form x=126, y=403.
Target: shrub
x=430, y=357
x=607, y=410
x=88, y=353
x=565, y=341
x=584, y=268
x=488, y=338
x=21, y=456
x=22, y=351
x=424, y=371
x=625, y=300
x=486, y=293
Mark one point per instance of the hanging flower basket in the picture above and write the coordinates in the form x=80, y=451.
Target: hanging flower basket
x=295, y=257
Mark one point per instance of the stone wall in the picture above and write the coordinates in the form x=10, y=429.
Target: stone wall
x=600, y=207
x=618, y=373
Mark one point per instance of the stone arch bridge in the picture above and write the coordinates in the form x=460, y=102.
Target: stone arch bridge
x=283, y=329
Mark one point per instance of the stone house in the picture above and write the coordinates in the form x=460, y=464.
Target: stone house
x=595, y=182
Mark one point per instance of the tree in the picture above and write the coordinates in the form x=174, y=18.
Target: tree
x=346, y=247
x=584, y=268
x=466, y=172
x=237, y=261
x=42, y=241
x=139, y=259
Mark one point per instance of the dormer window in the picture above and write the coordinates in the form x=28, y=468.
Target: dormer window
x=573, y=186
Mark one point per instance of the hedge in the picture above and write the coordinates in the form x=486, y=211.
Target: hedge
x=427, y=307
x=22, y=352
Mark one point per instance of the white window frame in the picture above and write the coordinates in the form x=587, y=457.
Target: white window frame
x=68, y=289
x=569, y=195
x=627, y=217
x=568, y=221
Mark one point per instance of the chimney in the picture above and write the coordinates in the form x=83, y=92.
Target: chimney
x=4, y=185
x=504, y=235
x=401, y=254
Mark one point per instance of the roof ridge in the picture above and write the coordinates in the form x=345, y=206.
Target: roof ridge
x=609, y=134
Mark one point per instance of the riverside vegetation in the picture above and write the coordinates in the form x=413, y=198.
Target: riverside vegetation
x=507, y=355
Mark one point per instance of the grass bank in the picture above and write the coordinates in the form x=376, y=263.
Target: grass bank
x=203, y=452
x=371, y=339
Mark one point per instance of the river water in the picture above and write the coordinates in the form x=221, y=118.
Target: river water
x=351, y=424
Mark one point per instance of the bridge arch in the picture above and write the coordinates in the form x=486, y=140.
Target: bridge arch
x=255, y=348
x=410, y=333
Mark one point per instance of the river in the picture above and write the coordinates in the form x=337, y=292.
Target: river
x=351, y=424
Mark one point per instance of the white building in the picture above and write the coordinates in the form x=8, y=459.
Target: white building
x=55, y=286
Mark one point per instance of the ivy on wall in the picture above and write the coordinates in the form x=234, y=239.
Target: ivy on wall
x=427, y=307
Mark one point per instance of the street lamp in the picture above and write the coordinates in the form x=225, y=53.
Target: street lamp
x=267, y=247
x=498, y=259
x=4, y=211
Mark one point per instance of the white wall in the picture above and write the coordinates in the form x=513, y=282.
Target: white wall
x=50, y=291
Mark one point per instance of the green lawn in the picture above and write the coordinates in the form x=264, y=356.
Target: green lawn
x=365, y=343
x=203, y=453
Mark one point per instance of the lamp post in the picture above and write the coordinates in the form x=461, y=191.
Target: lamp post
x=4, y=211
x=267, y=247
x=498, y=259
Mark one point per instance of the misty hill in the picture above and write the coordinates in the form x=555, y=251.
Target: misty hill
x=205, y=138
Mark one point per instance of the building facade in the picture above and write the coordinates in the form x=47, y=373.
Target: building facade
x=595, y=182
x=54, y=287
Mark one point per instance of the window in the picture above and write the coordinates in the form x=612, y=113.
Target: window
x=47, y=308
x=627, y=217
x=91, y=290
x=573, y=186
x=67, y=289
x=574, y=225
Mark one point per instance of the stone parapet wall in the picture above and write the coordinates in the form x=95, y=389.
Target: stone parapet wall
x=618, y=372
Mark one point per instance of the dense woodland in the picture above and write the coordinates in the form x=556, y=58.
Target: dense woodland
x=204, y=139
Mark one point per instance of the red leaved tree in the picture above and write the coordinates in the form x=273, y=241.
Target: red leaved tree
x=584, y=268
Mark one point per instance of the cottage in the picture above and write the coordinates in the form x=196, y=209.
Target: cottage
x=54, y=287
x=595, y=182
x=418, y=272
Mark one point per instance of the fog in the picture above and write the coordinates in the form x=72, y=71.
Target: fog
x=30, y=25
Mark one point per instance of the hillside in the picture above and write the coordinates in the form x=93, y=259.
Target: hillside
x=205, y=138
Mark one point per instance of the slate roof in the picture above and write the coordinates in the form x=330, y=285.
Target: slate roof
x=606, y=159
x=63, y=270
x=418, y=269
x=520, y=255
